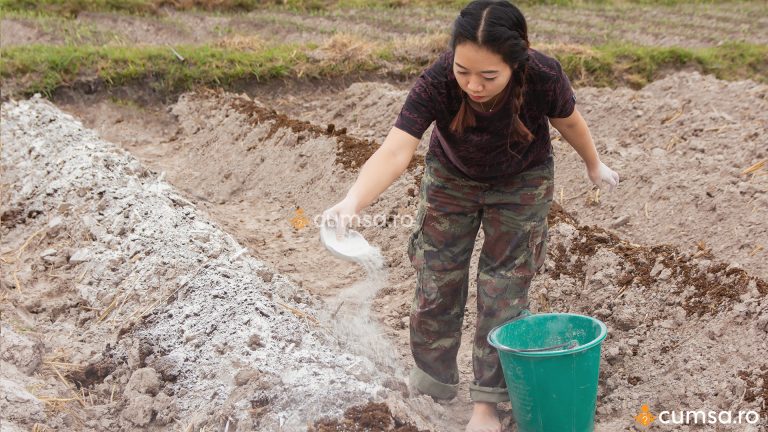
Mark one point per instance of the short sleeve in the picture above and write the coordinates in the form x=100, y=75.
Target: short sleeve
x=562, y=100
x=419, y=109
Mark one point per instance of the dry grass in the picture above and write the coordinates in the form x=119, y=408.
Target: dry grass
x=422, y=48
x=70, y=386
x=63, y=365
x=19, y=251
x=579, y=69
x=241, y=43
x=143, y=7
x=17, y=258
x=142, y=311
x=298, y=313
x=60, y=404
x=571, y=49
x=754, y=168
x=346, y=48
x=345, y=53
x=107, y=310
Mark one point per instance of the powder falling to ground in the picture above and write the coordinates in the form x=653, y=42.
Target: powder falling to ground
x=350, y=316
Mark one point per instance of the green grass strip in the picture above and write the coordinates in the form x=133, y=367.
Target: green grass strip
x=42, y=68
x=635, y=66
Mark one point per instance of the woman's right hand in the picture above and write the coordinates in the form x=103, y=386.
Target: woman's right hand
x=341, y=215
x=383, y=167
x=602, y=176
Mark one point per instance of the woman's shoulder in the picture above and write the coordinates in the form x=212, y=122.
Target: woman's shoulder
x=542, y=67
x=437, y=81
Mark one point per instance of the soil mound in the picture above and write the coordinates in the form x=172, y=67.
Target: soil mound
x=125, y=308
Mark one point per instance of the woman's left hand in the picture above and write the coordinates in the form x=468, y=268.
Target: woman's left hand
x=601, y=175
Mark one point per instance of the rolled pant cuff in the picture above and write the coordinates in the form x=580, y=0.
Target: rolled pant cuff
x=424, y=383
x=488, y=394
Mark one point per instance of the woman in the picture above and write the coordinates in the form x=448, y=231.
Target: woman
x=489, y=163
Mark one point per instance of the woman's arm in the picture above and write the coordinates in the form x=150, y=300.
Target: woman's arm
x=376, y=175
x=383, y=168
x=574, y=129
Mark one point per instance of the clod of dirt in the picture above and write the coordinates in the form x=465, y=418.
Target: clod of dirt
x=24, y=352
x=16, y=403
x=374, y=417
x=143, y=381
x=92, y=373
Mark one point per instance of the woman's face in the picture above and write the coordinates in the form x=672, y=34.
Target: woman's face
x=482, y=74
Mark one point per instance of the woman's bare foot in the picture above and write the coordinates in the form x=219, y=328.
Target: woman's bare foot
x=484, y=418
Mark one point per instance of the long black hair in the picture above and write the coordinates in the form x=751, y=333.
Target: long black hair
x=499, y=27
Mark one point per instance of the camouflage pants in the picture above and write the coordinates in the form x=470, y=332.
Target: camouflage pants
x=451, y=211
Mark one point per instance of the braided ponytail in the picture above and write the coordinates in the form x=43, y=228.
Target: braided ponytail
x=519, y=132
x=464, y=118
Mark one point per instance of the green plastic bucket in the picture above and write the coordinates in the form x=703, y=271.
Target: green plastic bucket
x=551, y=363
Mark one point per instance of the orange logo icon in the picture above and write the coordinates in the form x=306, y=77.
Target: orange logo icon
x=645, y=417
x=299, y=221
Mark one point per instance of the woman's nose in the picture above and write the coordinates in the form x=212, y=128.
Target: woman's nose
x=474, y=85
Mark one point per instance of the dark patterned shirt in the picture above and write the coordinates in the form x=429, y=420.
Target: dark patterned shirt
x=483, y=153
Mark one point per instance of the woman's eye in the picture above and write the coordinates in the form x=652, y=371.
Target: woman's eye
x=466, y=73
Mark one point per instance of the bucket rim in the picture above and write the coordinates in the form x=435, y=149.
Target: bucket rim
x=591, y=344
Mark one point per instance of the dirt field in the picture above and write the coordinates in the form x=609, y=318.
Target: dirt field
x=154, y=276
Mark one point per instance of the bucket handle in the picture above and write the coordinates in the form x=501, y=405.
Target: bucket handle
x=526, y=313
x=568, y=345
